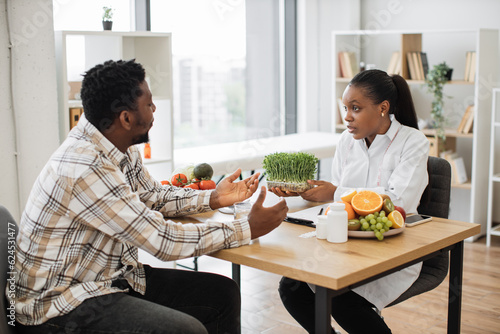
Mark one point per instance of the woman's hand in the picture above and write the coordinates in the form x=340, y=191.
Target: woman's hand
x=263, y=220
x=322, y=192
x=229, y=192
x=280, y=193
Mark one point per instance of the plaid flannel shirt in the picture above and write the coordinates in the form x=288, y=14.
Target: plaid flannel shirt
x=89, y=211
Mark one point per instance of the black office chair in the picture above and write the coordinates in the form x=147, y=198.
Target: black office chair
x=8, y=232
x=435, y=202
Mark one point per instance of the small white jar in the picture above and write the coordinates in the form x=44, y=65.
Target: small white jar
x=321, y=227
x=337, y=223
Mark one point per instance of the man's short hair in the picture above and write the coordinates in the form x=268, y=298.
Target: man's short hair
x=110, y=88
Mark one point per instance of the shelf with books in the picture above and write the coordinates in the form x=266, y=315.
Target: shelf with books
x=473, y=55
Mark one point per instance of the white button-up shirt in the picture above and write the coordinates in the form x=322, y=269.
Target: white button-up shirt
x=394, y=164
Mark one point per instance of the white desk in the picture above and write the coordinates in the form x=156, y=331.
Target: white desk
x=248, y=155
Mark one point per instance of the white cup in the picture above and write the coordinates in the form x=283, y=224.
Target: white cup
x=241, y=210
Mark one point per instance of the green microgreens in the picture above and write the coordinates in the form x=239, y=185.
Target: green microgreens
x=290, y=167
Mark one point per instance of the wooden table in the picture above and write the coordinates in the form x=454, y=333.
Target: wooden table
x=336, y=268
x=248, y=155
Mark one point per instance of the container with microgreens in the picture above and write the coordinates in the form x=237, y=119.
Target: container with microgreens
x=290, y=171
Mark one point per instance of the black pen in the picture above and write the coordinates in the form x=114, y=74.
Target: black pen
x=299, y=221
x=320, y=212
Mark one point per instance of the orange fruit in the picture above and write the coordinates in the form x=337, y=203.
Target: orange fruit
x=366, y=202
x=385, y=196
x=348, y=195
x=348, y=208
x=396, y=218
x=350, y=211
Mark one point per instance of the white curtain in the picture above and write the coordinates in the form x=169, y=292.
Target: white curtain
x=28, y=97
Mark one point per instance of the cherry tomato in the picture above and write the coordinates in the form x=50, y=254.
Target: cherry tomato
x=179, y=180
x=207, y=184
x=165, y=182
x=192, y=186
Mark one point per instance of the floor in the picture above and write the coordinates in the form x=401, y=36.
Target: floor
x=263, y=312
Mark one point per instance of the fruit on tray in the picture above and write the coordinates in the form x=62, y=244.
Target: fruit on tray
x=366, y=202
x=388, y=206
x=348, y=195
x=396, y=218
x=400, y=209
x=353, y=225
x=351, y=214
x=377, y=213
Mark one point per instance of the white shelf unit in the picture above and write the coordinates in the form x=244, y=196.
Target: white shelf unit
x=78, y=51
x=494, y=174
x=469, y=200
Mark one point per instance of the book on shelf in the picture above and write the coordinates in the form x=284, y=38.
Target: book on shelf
x=469, y=121
x=425, y=64
x=342, y=66
x=418, y=65
x=458, y=171
x=414, y=65
x=411, y=66
x=394, y=63
x=467, y=65
x=470, y=66
x=348, y=64
x=354, y=63
x=469, y=112
x=342, y=111
x=418, y=62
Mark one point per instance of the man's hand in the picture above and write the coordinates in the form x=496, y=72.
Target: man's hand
x=229, y=192
x=263, y=220
x=322, y=192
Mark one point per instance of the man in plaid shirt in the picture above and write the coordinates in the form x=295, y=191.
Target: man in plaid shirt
x=95, y=204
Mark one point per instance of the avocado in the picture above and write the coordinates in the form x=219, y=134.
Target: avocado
x=203, y=171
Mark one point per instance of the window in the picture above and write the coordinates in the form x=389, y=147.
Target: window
x=226, y=64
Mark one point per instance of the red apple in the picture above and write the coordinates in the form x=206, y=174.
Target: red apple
x=401, y=210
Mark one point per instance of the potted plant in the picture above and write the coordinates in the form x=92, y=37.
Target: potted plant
x=107, y=18
x=435, y=81
x=290, y=171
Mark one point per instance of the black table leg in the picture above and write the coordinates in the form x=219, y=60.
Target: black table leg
x=236, y=268
x=237, y=274
x=455, y=288
x=323, y=310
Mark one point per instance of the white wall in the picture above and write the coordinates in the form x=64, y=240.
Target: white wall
x=28, y=98
x=316, y=20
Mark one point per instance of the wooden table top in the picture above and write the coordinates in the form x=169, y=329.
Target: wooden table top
x=336, y=266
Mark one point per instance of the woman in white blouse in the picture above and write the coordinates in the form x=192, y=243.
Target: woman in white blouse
x=381, y=150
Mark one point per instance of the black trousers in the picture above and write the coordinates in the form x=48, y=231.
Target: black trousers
x=176, y=302
x=351, y=311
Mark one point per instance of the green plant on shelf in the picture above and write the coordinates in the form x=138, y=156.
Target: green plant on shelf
x=107, y=14
x=436, y=78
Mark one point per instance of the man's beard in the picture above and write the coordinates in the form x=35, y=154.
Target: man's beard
x=144, y=138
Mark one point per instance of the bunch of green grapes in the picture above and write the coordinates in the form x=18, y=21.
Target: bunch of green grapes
x=376, y=222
